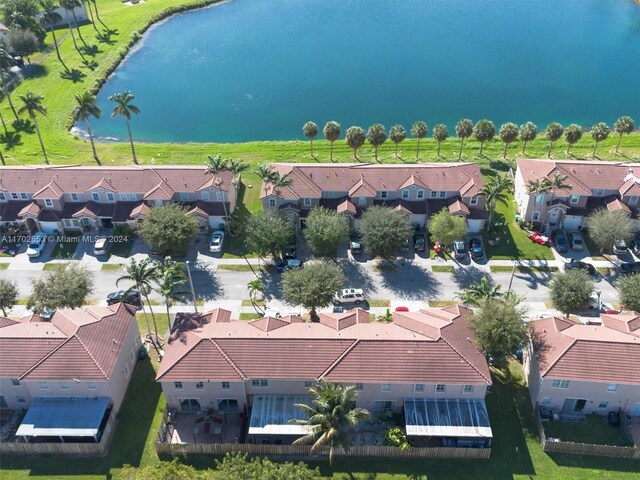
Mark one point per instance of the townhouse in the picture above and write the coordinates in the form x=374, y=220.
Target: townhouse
x=419, y=190
x=70, y=373
x=424, y=364
x=67, y=198
x=580, y=369
x=591, y=185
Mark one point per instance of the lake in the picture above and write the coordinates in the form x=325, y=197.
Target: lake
x=258, y=70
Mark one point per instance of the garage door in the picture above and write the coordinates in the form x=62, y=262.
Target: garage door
x=572, y=222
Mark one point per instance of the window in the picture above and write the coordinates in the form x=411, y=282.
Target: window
x=546, y=400
x=205, y=196
x=362, y=201
x=434, y=194
x=420, y=194
x=64, y=386
x=124, y=196
x=418, y=388
x=15, y=196
x=474, y=200
x=184, y=196
x=440, y=388
x=260, y=382
x=386, y=387
x=383, y=194
x=574, y=199
x=131, y=356
x=560, y=384
x=382, y=406
x=598, y=192
x=308, y=383
x=177, y=385
x=405, y=194
x=307, y=202
x=75, y=198
x=536, y=216
x=158, y=203
x=95, y=196
x=226, y=386
x=199, y=385
x=539, y=199
x=442, y=194
x=632, y=200
x=359, y=387
x=15, y=382
x=44, y=386
x=612, y=387
x=21, y=399
x=220, y=196
x=91, y=385
x=24, y=196
x=602, y=405
x=126, y=370
x=48, y=202
x=272, y=202
x=2, y=197
x=110, y=197
x=468, y=389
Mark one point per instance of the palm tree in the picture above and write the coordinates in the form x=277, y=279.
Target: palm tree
x=281, y=181
x=331, y=132
x=85, y=108
x=497, y=190
x=88, y=8
x=310, y=131
x=464, y=129
x=528, y=133
x=508, y=133
x=484, y=131
x=376, y=136
x=397, y=134
x=52, y=17
x=477, y=293
x=599, y=132
x=32, y=104
x=5, y=79
x=419, y=130
x=237, y=167
x=4, y=125
x=255, y=286
x=70, y=6
x=538, y=186
x=125, y=108
x=331, y=418
x=355, y=138
x=440, y=134
x=572, y=135
x=553, y=133
x=63, y=4
x=554, y=184
x=267, y=174
x=216, y=165
x=624, y=125
x=170, y=277
x=142, y=274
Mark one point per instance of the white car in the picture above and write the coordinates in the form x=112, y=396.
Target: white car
x=100, y=247
x=349, y=295
x=38, y=242
x=217, y=239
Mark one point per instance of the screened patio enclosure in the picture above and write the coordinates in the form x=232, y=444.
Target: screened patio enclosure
x=270, y=415
x=460, y=422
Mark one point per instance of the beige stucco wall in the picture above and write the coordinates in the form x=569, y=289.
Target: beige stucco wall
x=624, y=398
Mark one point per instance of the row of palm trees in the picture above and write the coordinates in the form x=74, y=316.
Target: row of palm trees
x=483, y=131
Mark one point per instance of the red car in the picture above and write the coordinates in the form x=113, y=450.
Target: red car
x=540, y=239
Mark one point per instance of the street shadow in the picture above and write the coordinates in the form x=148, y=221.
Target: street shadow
x=534, y=278
x=205, y=281
x=409, y=280
x=464, y=277
x=272, y=283
x=357, y=275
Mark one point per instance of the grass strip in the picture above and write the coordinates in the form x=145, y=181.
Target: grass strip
x=378, y=302
x=522, y=269
x=54, y=266
x=4, y=266
x=443, y=268
x=112, y=267
x=249, y=316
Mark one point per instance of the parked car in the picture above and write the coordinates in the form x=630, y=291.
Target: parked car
x=578, y=265
x=620, y=247
x=355, y=245
x=459, y=249
x=475, y=247
x=271, y=312
x=289, y=264
x=539, y=239
x=290, y=252
x=101, y=246
x=559, y=238
x=635, y=246
x=349, y=295
x=217, y=240
x=575, y=239
x=419, y=242
x=629, y=268
x=38, y=242
x=132, y=297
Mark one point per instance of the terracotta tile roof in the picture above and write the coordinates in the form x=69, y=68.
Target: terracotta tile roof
x=628, y=322
x=586, y=352
x=4, y=321
x=102, y=183
x=205, y=209
x=30, y=210
x=124, y=211
x=362, y=179
x=9, y=211
x=434, y=344
x=52, y=190
x=613, y=204
x=82, y=344
x=456, y=206
x=347, y=206
x=89, y=209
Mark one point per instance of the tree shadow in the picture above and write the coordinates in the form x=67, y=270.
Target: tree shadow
x=90, y=50
x=534, y=278
x=90, y=64
x=11, y=139
x=272, y=283
x=24, y=125
x=74, y=75
x=464, y=277
x=410, y=281
x=357, y=275
x=105, y=37
x=205, y=281
x=34, y=70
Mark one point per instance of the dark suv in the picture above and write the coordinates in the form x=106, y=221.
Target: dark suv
x=132, y=297
x=419, y=242
x=560, y=240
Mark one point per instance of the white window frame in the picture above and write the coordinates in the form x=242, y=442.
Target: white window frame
x=178, y=386
x=95, y=196
x=442, y=194
x=200, y=385
x=418, y=388
x=74, y=197
x=560, y=383
x=539, y=199
x=474, y=200
x=306, y=202
x=383, y=194
x=598, y=192
x=2, y=197
x=545, y=401
x=124, y=196
x=405, y=194
x=574, y=199
x=434, y=194
x=272, y=203
x=385, y=387
x=380, y=411
x=220, y=196
x=612, y=388
x=111, y=198
x=260, y=383
x=48, y=202
x=15, y=196
x=420, y=194
x=359, y=387
x=441, y=388
x=467, y=389
x=536, y=216
x=226, y=385
x=205, y=196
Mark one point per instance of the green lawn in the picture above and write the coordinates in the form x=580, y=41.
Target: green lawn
x=112, y=267
x=443, y=268
x=54, y=266
x=521, y=269
x=379, y=302
x=248, y=303
x=595, y=430
x=121, y=249
x=4, y=266
x=249, y=316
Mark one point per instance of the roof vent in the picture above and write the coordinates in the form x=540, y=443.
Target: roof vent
x=311, y=175
x=115, y=342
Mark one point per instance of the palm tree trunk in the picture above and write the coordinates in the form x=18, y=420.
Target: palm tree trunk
x=44, y=152
x=460, y=151
x=73, y=36
x=98, y=13
x=93, y=23
x=331, y=151
x=13, y=109
x=375, y=152
x=4, y=125
x=93, y=145
x=3, y=163
x=153, y=316
x=418, y=149
x=133, y=150
x=439, y=144
x=550, y=147
x=75, y=20
x=568, y=148
x=144, y=312
x=55, y=44
x=311, y=139
x=524, y=146
x=481, y=147
x=504, y=153
x=618, y=145
x=595, y=146
x=396, y=153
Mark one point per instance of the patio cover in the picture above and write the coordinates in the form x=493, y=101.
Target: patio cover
x=63, y=417
x=447, y=417
x=270, y=415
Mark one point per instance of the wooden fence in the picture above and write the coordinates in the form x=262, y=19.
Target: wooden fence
x=176, y=449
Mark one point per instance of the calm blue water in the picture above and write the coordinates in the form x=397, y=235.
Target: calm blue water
x=257, y=70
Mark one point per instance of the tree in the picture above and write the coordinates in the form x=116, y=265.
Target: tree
x=384, y=230
x=599, y=132
x=440, y=134
x=355, y=138
x=484, y=131
x=497, y=191
x=215, y=166
x=170, y=277
x=478, y=293
x=32, y=104
x=376, y=136
x=236, y=466
x=331, y=132
x=464, y=129
x=528, y=133
x=500, y=327
x=571, y=291
x=67, y=288
x=624, y=125
x=52, y=17
x=255, y=286
x=236, y=167
x=21, y=14
x=173, y=470
x=8, y=295
x=312, y=286
x=70, y=6
x=267, y=174
x=419, y=130
x=606, y=227
x=167, y=229
x=553, y=133
x=572, y=135
x=326, y=231
x=125, y=108
x=142, y=274
x=310, y=131
x=446, y=228
x=538, y=186
x=397, y=134
x=268, y=233
x=86, y=107
x=332, y=417
x=4, y=125
x=629, y=290
x=5, y=80
x=24, y=42
x=508, y=134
